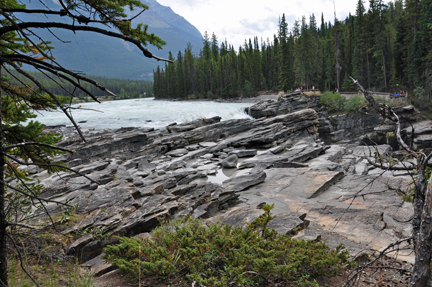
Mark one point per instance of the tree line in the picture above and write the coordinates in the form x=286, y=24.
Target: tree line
x=387, y=48
x=122, y=88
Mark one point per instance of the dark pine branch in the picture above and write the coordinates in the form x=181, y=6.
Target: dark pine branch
x=42, y=25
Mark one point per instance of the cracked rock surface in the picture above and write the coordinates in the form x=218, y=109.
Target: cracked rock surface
x=225, y=170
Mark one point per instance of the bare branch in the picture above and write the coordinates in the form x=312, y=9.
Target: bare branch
x=33, y=11
x=412, y=136
x=29, y=39
x=389, y=167
x=55, y=69
x=50, y=165
x=33, y=196
x=386, y=112
x=382, y=253
x=38, y=144
x=26, y=25
x=20, y=259
x=21, y=225
x=390, y=267
x=357, y=194
x=19, y=70
x=75, y=84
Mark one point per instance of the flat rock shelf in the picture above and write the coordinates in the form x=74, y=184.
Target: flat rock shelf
x=292, y=156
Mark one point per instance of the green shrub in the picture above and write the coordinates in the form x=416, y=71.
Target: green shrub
x=355, y=103
x=334, y=102
x=217, y=254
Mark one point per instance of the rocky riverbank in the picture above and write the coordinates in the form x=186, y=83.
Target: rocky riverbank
x=314, y=168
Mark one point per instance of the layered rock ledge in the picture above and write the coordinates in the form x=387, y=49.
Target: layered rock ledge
x=224, y=171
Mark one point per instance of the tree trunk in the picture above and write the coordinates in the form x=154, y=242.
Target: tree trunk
x=422, y=232
x=338, y=67
x=384, y=70
x=368, y=72
x=3, y=223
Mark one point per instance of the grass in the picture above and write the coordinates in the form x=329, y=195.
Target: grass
x=48, y=274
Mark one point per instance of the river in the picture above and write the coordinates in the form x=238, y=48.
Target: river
x=142, y=113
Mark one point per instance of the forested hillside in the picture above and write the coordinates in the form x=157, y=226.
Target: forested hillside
x=123, y=88
x=387, y=48
x=109, y=57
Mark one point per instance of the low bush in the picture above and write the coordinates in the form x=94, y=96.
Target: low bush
x=218, y=254
x=335, y=103
x=355, y=103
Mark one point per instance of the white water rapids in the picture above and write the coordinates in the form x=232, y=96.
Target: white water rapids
x=143, y=113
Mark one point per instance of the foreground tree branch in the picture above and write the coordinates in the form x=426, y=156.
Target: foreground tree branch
x=24, y=142
x=46, y=25
x=39, y=144
x=385, y=251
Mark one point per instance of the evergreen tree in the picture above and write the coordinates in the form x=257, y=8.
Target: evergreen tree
x=170, y=69
x=387, y=48
x=215, y=47
x=189, y=71
x=285, y=75
x=179, y=77
x=207, y=53
x=359, y=50
x=425, y=34
x=298, y=60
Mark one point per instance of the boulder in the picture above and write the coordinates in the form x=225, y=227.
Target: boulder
x=284, y=105
x=230, y=162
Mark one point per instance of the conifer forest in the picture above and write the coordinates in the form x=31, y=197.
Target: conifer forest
x=122, y=88
x=386, y=47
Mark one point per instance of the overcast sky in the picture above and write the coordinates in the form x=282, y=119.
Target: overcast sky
x=237, y=20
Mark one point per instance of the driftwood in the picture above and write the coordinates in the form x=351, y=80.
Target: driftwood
x=422, y=222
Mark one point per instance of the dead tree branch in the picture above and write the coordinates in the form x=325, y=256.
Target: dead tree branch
x=422, y=220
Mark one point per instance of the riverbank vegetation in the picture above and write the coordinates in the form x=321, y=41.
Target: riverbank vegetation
x=187, y=251
x=335, y=103
x=388, y=47
x=48, y=273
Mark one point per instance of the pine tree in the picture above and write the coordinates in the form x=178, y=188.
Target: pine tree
x=298, y=59
x=189, y=71
x=285, y=75
x=358, y=62
x=214, y=47
x=179, y=90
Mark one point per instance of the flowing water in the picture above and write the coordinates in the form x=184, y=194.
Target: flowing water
x=143, y=113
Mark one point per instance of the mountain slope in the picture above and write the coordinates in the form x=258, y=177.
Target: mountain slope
x=104, y=56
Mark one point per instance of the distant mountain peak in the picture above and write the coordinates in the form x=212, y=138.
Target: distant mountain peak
x=170, y=17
